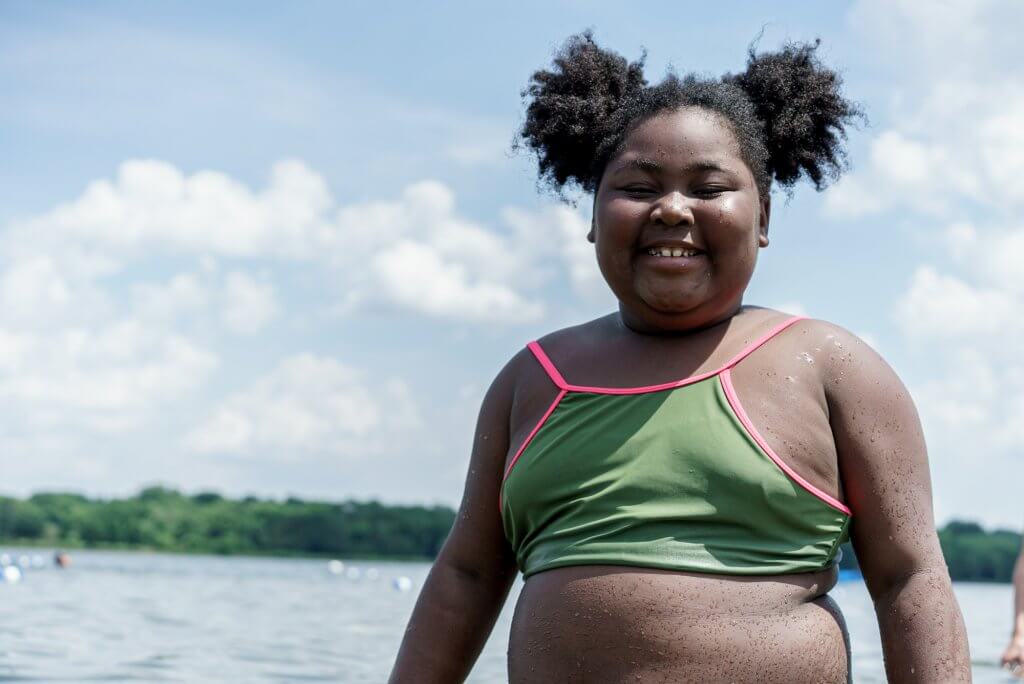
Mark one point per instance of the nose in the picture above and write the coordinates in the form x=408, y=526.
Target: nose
x=672, y=209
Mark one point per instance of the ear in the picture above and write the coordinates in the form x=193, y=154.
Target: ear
x=762, y=225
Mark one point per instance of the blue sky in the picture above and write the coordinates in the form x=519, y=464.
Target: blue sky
x=282, y=249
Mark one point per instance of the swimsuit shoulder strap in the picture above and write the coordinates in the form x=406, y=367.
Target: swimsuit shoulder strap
x=549, y=367
x=761, y=341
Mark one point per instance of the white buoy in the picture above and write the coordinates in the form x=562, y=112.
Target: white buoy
x=335, y=567
x=12, y=574
x=354, y=574
x=402, y=584
x=372, y=574
x=5, y=560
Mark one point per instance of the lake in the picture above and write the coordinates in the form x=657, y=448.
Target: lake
x=138, y=617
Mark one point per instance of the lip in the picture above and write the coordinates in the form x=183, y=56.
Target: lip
x=680, y=244
x=671, y=264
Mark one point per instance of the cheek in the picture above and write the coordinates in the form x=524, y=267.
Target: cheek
x=620, y=217
x=733, y=225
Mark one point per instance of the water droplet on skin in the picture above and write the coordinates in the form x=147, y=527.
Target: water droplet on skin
x=804, y=356
x=790, y=378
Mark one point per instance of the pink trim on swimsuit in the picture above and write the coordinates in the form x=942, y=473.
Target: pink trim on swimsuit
x=557, y=378
x=761, y=341
x=529, y=438
x=748, y=425
x=725, y=377
x=549, y=367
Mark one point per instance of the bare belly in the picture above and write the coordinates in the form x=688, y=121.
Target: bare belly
x=624, y=624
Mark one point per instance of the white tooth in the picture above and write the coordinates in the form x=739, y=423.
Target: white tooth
x=665, y=252
x=677, y=251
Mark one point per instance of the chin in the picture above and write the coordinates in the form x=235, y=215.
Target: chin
x=673, y=304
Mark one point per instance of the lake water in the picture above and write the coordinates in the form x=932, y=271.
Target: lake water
x=134, y=617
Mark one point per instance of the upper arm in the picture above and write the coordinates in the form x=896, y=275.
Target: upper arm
x=883, y=464
x=477, y=543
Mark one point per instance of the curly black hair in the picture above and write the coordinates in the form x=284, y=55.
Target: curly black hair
x=786, y=111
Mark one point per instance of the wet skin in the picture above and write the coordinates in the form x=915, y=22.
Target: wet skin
x=680, y=182
x=623, y=623
x=824, y=401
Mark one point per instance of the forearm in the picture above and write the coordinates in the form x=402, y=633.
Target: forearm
x=923, y=633
x=453, y=617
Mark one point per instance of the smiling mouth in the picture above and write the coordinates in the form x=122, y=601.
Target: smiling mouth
x=672, y=252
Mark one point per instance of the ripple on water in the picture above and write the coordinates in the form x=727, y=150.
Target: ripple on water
x=193, y=619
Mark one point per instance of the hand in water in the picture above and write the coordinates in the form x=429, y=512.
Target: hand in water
x=1013, y=657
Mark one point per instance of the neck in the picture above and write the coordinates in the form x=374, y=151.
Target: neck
x=676, y=325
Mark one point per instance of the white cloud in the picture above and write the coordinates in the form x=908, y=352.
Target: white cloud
x=32, y=286
x=308, y=403
x=249, y=304
x=413, y=275
x=151, y=204
x=423, y=256
x=952, y=157
x=119, y=308
x=927, y=176
x=938, y=306
x=559, y=233
x=413, y=251
x=183, y=294
x=954, y=135
x=107, y=378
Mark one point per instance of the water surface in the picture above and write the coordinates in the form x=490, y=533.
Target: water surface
x=135, y=617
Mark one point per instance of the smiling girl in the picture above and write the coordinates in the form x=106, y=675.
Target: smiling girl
x=674, y=480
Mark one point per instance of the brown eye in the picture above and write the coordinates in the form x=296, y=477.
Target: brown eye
x=709, y=191
x=638, y=190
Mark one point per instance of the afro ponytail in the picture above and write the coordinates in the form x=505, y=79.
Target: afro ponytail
x=803, y=111
x=572, y=106
x=786, y=110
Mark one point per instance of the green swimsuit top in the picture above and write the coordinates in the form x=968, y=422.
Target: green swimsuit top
x=671, y=476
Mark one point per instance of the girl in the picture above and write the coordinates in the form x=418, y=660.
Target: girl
x=674, y=480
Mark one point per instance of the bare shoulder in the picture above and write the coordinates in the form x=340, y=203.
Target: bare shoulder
x=863, y=393
x=837, y=354
x=519, y=370
x=829, y=340
x=576, y=337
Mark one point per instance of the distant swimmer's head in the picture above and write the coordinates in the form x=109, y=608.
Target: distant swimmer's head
x=681, y=172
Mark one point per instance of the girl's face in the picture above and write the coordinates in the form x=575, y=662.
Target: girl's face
x=678, y=221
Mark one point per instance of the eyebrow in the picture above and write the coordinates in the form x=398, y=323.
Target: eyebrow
x=652, y=166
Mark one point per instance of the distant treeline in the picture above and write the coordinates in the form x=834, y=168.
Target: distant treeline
x=972, y=554
x=166, y=520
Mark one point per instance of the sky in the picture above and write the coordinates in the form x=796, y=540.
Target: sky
x=283, y=248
